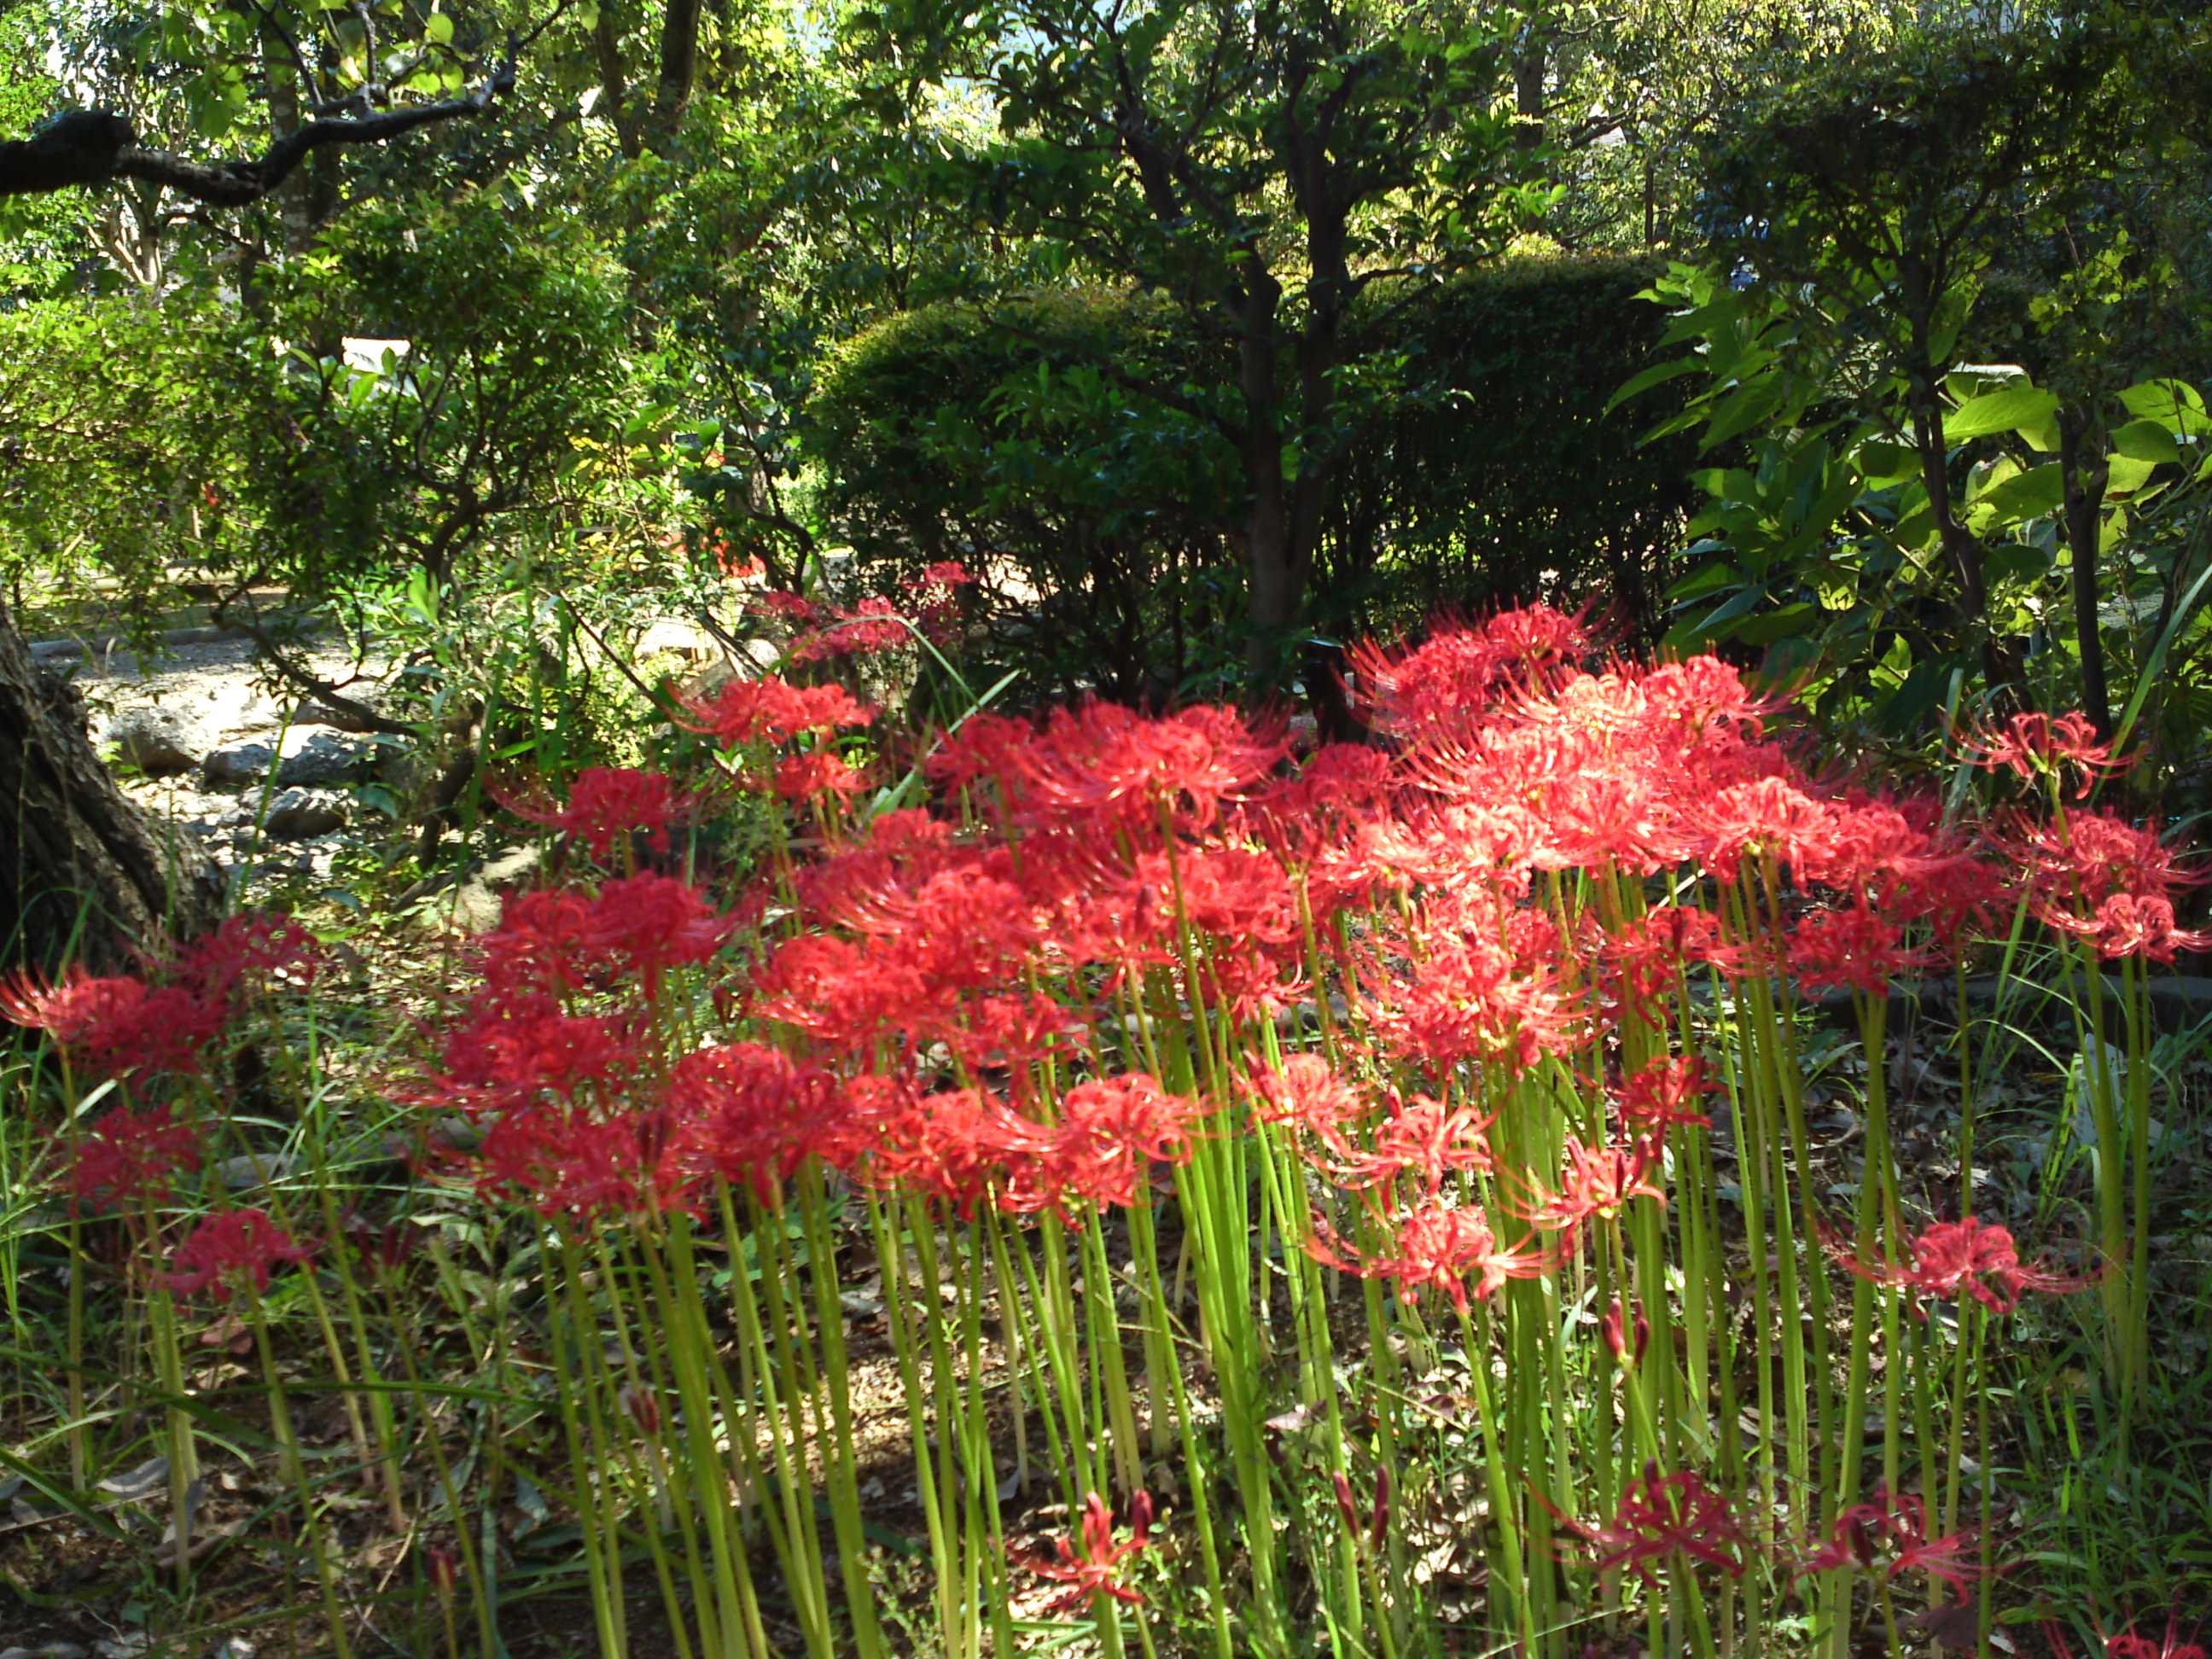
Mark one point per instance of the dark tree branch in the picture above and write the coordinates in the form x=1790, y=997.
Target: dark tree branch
x=92, y=147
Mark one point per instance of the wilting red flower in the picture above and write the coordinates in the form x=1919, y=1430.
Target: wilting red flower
x=1377, y=1522
x=1896, y=1524
x=228, y=1248
x=606, y=804
x=2034, y=745
x=1659, y=1515
x=1097, y=1570
x=1964, y=1258
x=129, y=1155
x=117, y=1027
x=769, y=710
x=1438, y=1248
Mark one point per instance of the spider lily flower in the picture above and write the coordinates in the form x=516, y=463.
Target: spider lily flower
x=1097, y=1570
x=229, y=1248
x=1962, y=1258
x=1895, y=1524
x=1658, y=1515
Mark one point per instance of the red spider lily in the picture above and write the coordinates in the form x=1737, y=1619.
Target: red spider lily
x=1767, y=815
x=1306, y=1092
x=2129, y=1645
x=2077, y=863
x=117, y=1027
x=2127, y=925
x=242, y=946
x=818, y=772
x=1596, y=1181
x=1896, y=1524
x=754, y=1114
x=1097, y=1570
x=1665, y=1092
x=1659, y=1515
x=232, y=1248
x=1438, y=1248
x=872, y=626
x=770, y=710
x=2035, y=745
x=1852, y=949
x=1111, y=1131
x=557, y=941
x=1421, y=1137
x=1460, y=669
x=1485, y=986
x=607, y=805
x=1109, y=766
x=561, y=1161
x=1969, y=1258
x=129, y=1156
x=518, y=1051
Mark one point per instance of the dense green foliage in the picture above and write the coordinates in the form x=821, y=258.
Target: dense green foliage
x=1004, y=436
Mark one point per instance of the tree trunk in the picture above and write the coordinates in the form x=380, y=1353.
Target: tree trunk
x=83, y=878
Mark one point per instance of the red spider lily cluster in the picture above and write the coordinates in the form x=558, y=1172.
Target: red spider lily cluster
x=953, y=1003
x=162, y=1022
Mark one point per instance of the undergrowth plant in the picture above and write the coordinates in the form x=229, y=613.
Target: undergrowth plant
x=1371, y=1193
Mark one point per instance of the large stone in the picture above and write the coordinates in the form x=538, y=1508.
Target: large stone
x=296, y=814
x=305, y=756
x=159, y=740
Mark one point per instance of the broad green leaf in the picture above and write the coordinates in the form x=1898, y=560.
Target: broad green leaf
x=2006, y=409
x=1882, y=464
x=2024, y=495
x=2148, y=439
x=1651, y=377
x=437, y=29
x=2174, y=404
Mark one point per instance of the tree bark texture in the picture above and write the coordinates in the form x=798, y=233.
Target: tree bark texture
x=83, y=877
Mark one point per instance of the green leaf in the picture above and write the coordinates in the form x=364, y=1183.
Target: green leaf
x=2029, y=495
x=437, y=29
x=1882, y=464
x=1651, y=377
x=2174, y=404
x=2009, y=408
x=2148, y=440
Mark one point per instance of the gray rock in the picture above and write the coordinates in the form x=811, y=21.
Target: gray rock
x=158, y=739
x=376, y=700
x=305, y=755
x=296, y=814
